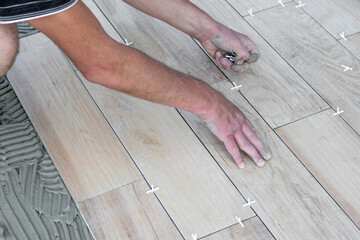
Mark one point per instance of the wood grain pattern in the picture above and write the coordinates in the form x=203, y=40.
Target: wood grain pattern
x=353, y=44
x=330, y=149
x=335, y=16
x=242, y=6
x=253, y=229
x=160, y=41
x=276, y=91
x=289, y=200
x=193, y=189
x=316, y=55
x=128, y=213
x=87, y=153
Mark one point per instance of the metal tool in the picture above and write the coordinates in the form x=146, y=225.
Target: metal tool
x=232, y=57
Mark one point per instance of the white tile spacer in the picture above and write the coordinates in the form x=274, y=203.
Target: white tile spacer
x=342, y=35
x=194, y=236
x=338, y=112
x=346, y=68
x=236, y=88
x=300, y=5
x=249, y=203
x=281, y=3
x=152, y=189
x=250, y=11
x=239, y=220
x=128, y=43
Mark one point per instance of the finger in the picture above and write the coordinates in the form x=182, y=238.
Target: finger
x=234, y=151
x=222, y=61
x=242, y=53
x=249, y=132
x=240, y=67
x=249, y=149
x=253, y=57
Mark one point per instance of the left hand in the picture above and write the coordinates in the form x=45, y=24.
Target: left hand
x=224, y=40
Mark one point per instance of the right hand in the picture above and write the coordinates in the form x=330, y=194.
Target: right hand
x=232, y=127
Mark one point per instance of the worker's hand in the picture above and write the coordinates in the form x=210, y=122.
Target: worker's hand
x=223, y=41
x=231, y=126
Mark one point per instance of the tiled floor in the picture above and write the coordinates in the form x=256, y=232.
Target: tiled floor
x=110, y=148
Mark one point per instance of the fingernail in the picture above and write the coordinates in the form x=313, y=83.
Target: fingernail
x=242, y=165
x=266, y=155
x=261, y=163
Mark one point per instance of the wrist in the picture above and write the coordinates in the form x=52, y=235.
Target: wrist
x=206, y=28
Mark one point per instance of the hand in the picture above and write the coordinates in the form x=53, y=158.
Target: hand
x=231, y=126
x=223, y=41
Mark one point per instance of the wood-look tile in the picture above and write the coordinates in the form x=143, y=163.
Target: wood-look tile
x=315, y=55
x=291, y=203
x=330, y=149
x=128, y=213
x=87, y=153
x=276, y=91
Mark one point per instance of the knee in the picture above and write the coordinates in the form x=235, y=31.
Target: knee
x=9, y=45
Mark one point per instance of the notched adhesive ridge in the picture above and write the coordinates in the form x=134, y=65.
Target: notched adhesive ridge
x=34, y=201
x=11, y=110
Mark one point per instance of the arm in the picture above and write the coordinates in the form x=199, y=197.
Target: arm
x=216, y=39
x=104, y=61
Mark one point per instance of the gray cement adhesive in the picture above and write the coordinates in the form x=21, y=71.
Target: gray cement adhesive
x=25, y=29
x=34, y=202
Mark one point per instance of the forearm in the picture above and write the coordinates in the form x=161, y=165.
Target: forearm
x=181, y=14
x=136, y=74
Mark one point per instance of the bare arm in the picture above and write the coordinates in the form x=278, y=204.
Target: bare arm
x=104, y=61
x=216, y=38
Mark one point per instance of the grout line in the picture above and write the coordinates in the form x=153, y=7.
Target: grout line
x=323, y=110
x=350, y=35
